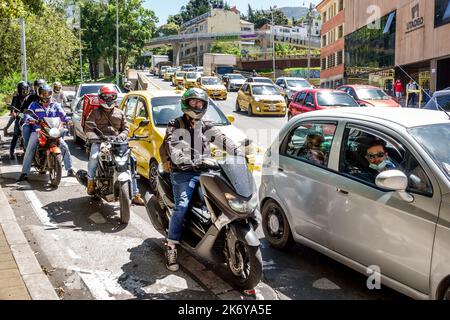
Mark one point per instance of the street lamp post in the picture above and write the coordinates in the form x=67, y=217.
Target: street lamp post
x=117, y=42
x=273, y=44
x=309, y=39
x=24, y=50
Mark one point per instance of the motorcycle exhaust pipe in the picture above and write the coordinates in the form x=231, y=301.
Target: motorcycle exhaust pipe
x=81, y=176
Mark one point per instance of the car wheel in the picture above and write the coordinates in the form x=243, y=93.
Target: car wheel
x=153, y=175
x=286, y=99
x=250, y=110
x=276, y=226
x=238, y=107
x=77, y=139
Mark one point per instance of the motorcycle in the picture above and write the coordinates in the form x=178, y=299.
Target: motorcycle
x=48, y=156
x=114, y=172
x=221, y=222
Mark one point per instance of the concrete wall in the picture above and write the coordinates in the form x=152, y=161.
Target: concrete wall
x=224, y=21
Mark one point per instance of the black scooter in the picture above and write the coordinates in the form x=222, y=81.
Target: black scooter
x=220, y=226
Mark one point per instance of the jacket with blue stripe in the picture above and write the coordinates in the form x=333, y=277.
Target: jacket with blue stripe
x=53, y=110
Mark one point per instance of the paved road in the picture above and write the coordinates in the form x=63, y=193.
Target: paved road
x=88, y=254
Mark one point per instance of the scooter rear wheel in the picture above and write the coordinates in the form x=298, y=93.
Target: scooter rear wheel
x=125, y=203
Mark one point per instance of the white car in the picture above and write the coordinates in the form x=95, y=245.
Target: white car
x=291, y=85
x=88, y=88
x=368, y=187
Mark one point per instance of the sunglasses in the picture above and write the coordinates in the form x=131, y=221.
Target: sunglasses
x=380, y=154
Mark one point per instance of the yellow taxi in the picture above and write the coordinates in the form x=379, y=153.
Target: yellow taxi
x=158, y=107
x=169, y=74
x=260, y=98
x=190, y=78
x=213, y=86
x=178, y=78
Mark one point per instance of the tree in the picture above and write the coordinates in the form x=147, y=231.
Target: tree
x=168, y=30
x=261, y=17
x=225, y=47
x=250, y=15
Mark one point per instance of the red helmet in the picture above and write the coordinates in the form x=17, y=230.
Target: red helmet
x=107, y=96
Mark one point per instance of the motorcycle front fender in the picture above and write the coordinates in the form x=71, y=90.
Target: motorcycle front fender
x=244, y=232
x=124, y=176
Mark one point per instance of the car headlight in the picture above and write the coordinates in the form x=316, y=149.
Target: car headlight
x=121, y=161
x=242, y=206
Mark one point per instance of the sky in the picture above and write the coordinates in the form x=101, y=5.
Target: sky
x=164, y=8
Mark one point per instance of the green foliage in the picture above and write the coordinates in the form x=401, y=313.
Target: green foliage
x=225, y=47
x=168, y=29
x=195, y=8
x=12, y=9
x=261, y=17
x=51, y=46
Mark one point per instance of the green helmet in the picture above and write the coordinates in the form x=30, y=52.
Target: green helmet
x=194, y=93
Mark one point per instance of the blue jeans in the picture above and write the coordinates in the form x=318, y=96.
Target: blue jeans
x=26, y=132
x=15, y=137
x=31, y=150
x=93, y=164
x=184, y=184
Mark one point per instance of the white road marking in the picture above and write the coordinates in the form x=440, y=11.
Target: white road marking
x=72, y=254
x=37, y=208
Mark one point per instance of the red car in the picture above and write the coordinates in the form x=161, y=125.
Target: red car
x=317, y=99
x=369, y=96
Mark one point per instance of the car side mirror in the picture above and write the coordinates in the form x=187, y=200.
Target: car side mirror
x=231, y=118
x=394, y=180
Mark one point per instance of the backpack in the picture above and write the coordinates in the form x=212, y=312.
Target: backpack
x=164, y=149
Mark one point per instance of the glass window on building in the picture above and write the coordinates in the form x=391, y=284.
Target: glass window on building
x=340, y=32
x=369, y=50
x=340, y=58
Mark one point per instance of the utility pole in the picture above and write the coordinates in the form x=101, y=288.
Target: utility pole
x=309, y=39
x=273, y=44
x=81, y=57
x=197, y=47
x=24, y=50
x=117, y=43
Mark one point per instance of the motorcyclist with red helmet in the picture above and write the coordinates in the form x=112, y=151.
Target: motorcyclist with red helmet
x=110, y=121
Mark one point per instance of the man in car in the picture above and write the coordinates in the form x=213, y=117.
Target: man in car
x=377, y=158
x=186, y=160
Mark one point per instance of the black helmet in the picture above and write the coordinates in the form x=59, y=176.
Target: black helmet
x=22, y=88
x=44, y=93
x=37, y=83
x=194, y=93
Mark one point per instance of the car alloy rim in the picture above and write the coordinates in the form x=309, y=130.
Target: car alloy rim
x=153, y=173
x=275, y=223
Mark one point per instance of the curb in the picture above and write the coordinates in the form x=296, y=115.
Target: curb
x=36, y=282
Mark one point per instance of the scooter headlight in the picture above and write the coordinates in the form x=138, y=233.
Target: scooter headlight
x=54, y=133
x=242, y=206
x=121, y=161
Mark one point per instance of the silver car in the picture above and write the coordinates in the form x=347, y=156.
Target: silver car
x=291, y=85
x=392, y=220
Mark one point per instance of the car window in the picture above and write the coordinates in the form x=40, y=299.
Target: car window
x=310, y=142
x=245, y=88
x=444, y=101
x=309, y=99
x=279, y=82
x=129, y=106
x=264, y=90
x=359, y=145
x=300, y=97
x=335, y=99
x=141, y=109
x=79, y=106
x=93, y=89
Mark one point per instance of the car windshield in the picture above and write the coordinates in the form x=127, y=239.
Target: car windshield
x=93, y=89
x=444, y=102
x=236, y=76
x=165, y=109
x=371, y=94
x=210, y=81
x=264, y=90
x=438, y=149
x=263, y=80
x=180, y=74
x=191, y=75
x=335, y=99
x=298, y=83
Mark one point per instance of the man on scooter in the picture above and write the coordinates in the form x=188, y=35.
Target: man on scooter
x=32, y=97
x=111, y=122
x=16, y=108
x=186, y=167
x=44, y=108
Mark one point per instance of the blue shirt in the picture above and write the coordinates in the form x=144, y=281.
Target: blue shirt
x=53, y=110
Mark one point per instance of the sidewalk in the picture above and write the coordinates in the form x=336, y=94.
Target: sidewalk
x=21, y=276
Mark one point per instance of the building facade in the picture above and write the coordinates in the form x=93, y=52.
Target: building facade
x=403, y=39
x=332, y=42
x=215, y=21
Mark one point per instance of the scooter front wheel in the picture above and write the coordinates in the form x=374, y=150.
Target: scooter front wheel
x=124, y=201
x=247, y=270
x=56, y=169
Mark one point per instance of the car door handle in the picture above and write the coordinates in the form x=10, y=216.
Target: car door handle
x=341, y=191
x=280, y=169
